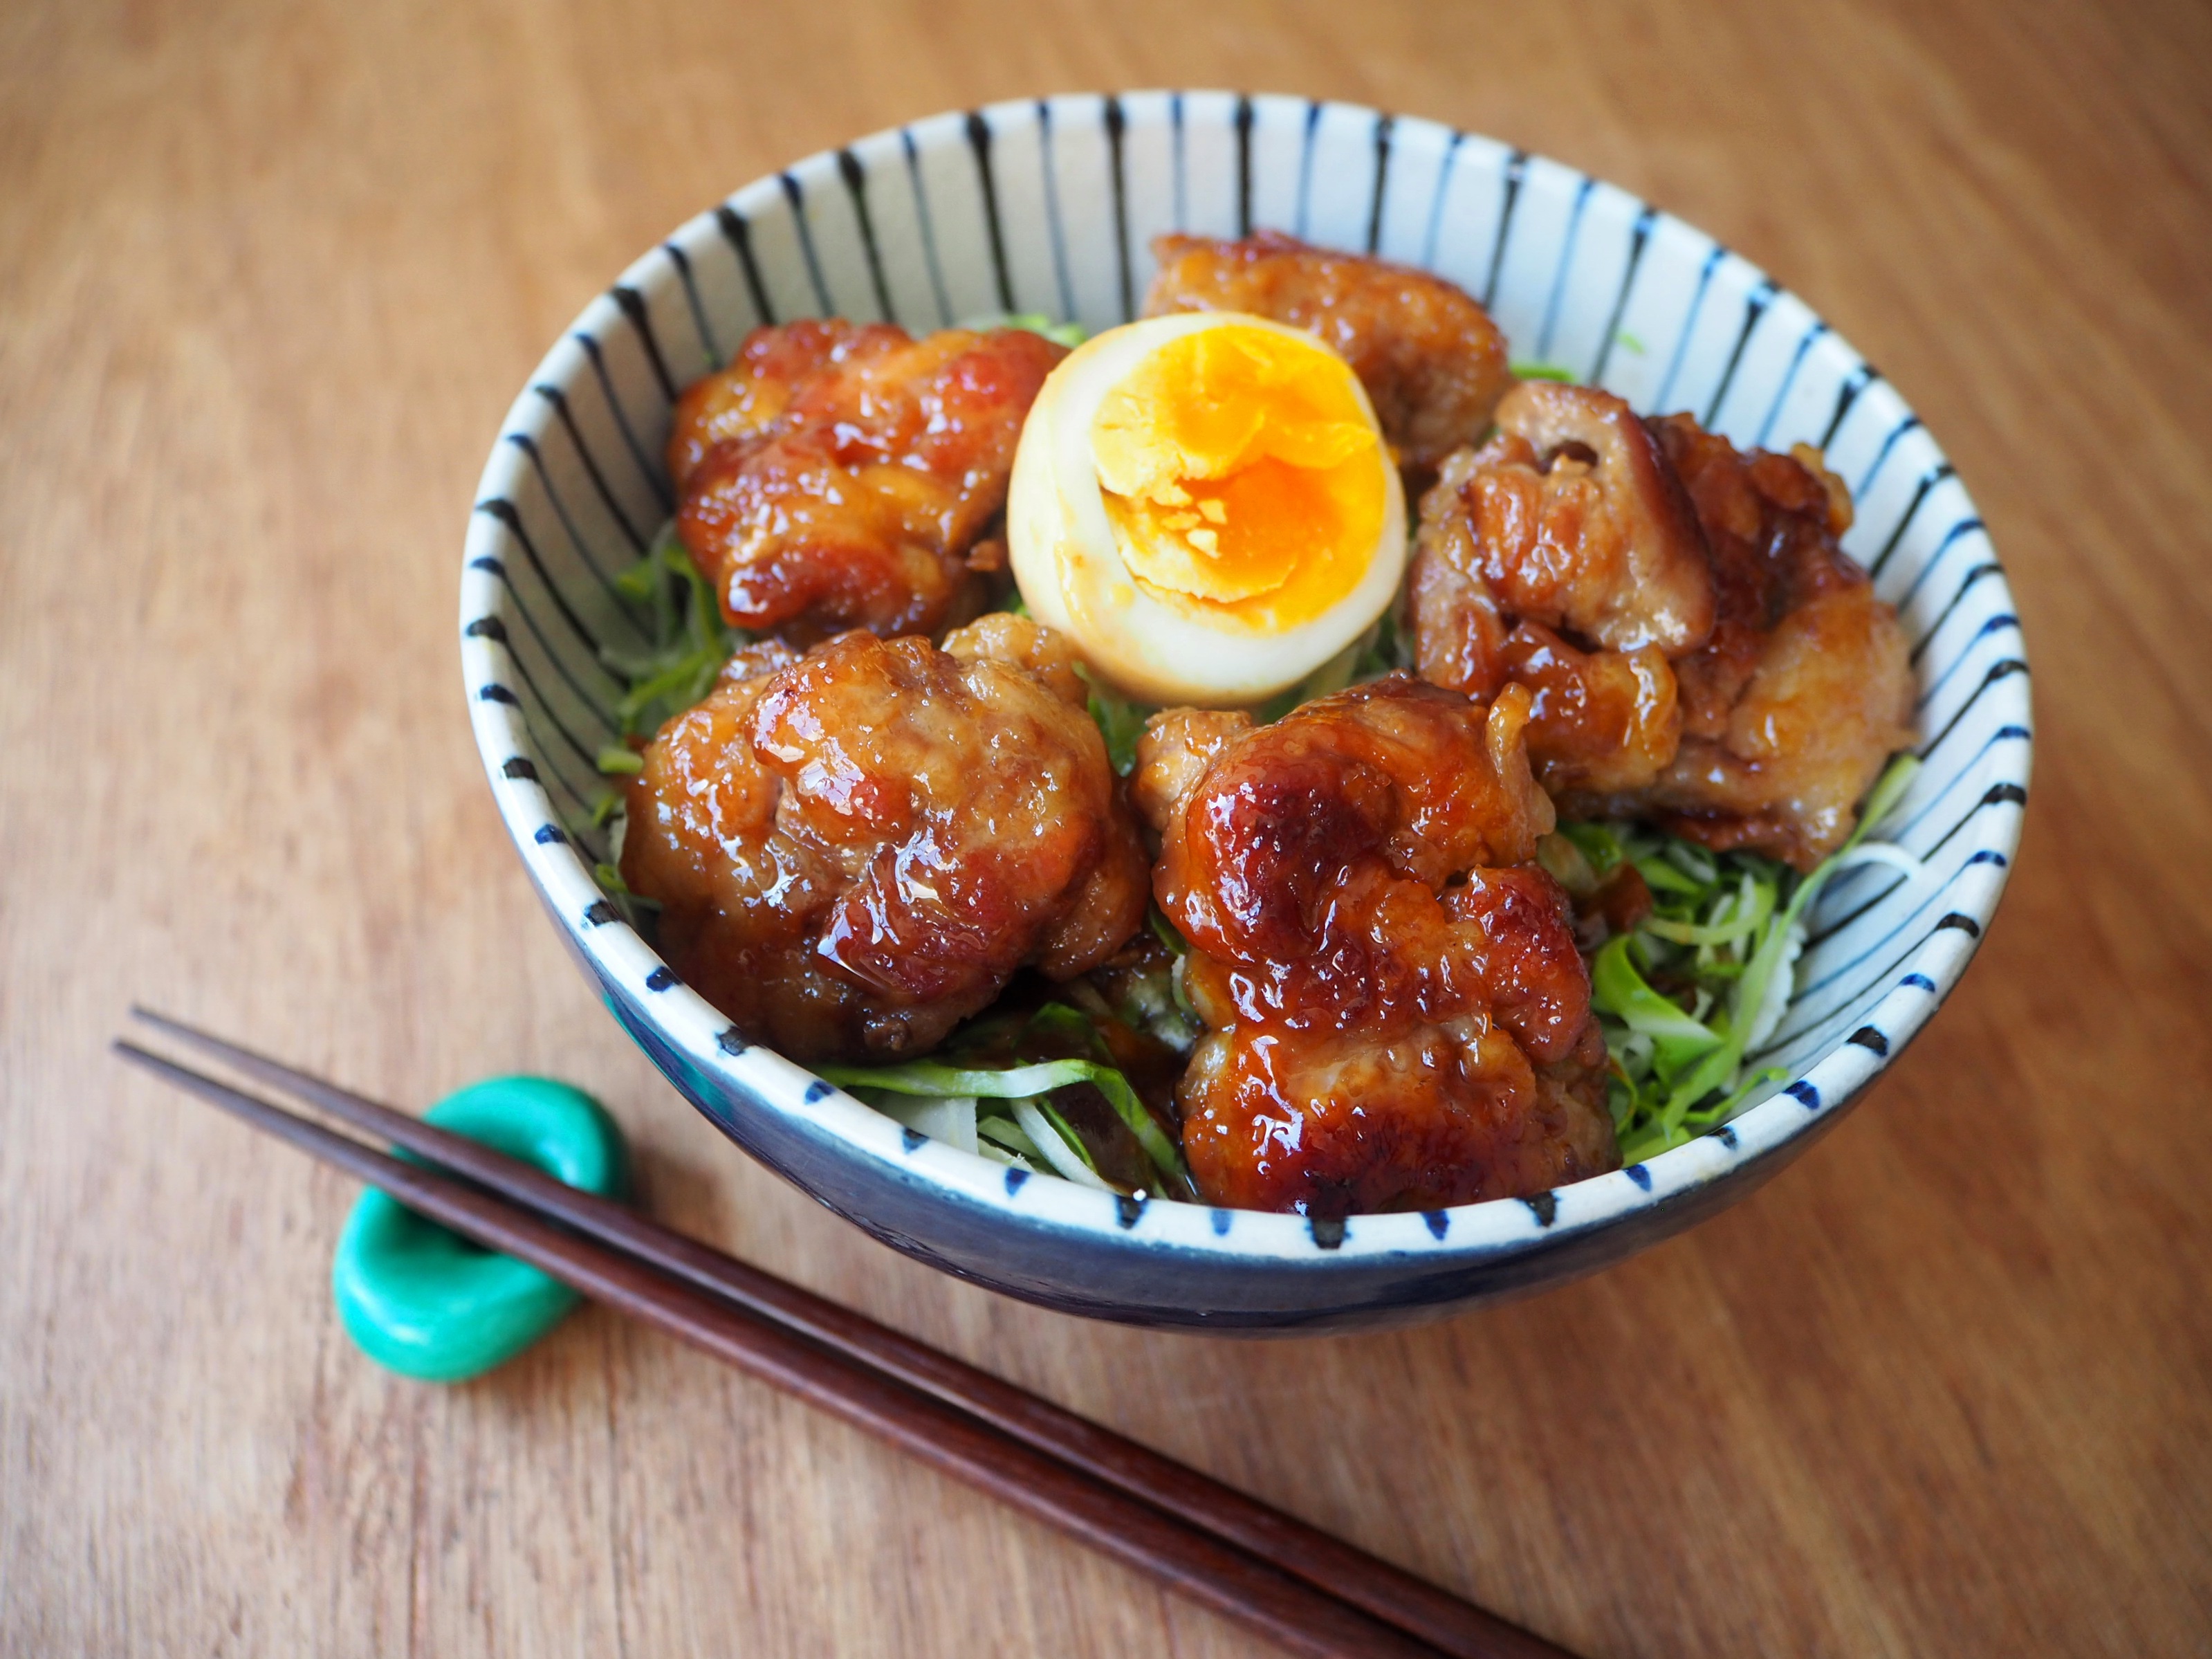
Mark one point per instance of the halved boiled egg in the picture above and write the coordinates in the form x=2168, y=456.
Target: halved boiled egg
x=1205, y=503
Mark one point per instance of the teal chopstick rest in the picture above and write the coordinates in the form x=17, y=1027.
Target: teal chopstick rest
x=428, y=1304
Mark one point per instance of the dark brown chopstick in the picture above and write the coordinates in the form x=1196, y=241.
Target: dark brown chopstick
x=1292, y=1614
x=1352, y=1575
x=1189, y=1499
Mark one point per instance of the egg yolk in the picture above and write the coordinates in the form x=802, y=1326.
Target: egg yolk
x=1242, y=474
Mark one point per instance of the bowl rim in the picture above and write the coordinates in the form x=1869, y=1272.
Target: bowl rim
x=1921, y=978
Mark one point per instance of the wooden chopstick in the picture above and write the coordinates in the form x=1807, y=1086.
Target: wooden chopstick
x=1389, y=1593
x=825, y=1354
x=1230, y=1581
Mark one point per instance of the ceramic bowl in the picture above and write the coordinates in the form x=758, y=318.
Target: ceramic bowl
x=1048, y=206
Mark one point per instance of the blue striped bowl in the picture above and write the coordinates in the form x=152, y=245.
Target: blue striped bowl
x=1048, y=207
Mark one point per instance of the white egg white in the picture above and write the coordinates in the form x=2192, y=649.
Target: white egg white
x=1068, y=558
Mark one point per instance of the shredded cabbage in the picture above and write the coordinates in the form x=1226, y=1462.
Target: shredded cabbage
x=690, y=641
x=948, y=1118
x=1058, y=1145
x=1119, y=720
x=1028, y=1088
x=1724, y=936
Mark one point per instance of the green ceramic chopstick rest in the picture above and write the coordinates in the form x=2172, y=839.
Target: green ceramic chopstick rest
x=428, y=1303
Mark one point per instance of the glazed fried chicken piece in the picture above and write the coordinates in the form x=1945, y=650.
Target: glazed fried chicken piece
x=1804, y=690
x=1398, y=1017
x=855, y=849
x=1700, y=648
x=841, y=476
x=749, y=397
x=1564, y=555
x=1432, y=362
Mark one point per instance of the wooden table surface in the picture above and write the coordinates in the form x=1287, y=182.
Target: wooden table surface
x=268, y=276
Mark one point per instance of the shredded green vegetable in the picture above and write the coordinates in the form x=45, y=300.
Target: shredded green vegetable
x=1119, y=720
x=1686, y=996
x=1693, y=988
x=1008, y=1136
x=1376, y=653
x=1033, y=1084
x=690, y=641
x=610, y=878
x=1387, y=649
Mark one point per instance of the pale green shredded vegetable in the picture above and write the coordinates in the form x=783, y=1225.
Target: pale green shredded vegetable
x=610, y=878
x=689, y=642
x=1030, y=1083
x=1723, y=940
x=1374, y=653
x=1686, y=997
x=1119, y=720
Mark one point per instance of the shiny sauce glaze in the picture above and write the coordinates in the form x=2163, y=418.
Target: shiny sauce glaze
x=1700, y=651
x=1397, y=1015
x=1804, y=688
x=856, y=849
x=1563, y=556
x=841, y=475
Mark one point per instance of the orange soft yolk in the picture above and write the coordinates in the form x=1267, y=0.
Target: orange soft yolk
x=1243, y=475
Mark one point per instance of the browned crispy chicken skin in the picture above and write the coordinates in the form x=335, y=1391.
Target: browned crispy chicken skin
x=1805, y=688
x=1432, y=362
x=1563, y=556
x=855, y=849
x=840, y=474
x=1700, y=648
x=1398, y=1016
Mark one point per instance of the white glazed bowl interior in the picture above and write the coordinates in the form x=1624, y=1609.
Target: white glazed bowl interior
x=1048, y=206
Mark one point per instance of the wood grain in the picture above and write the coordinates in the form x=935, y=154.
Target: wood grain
x=1135, y=1527
x=269, y=275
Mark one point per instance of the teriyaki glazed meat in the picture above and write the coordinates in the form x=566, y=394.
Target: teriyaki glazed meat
x=1269, y=753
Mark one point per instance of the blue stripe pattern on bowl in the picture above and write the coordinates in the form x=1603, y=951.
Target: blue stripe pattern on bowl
x=1050, y=206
